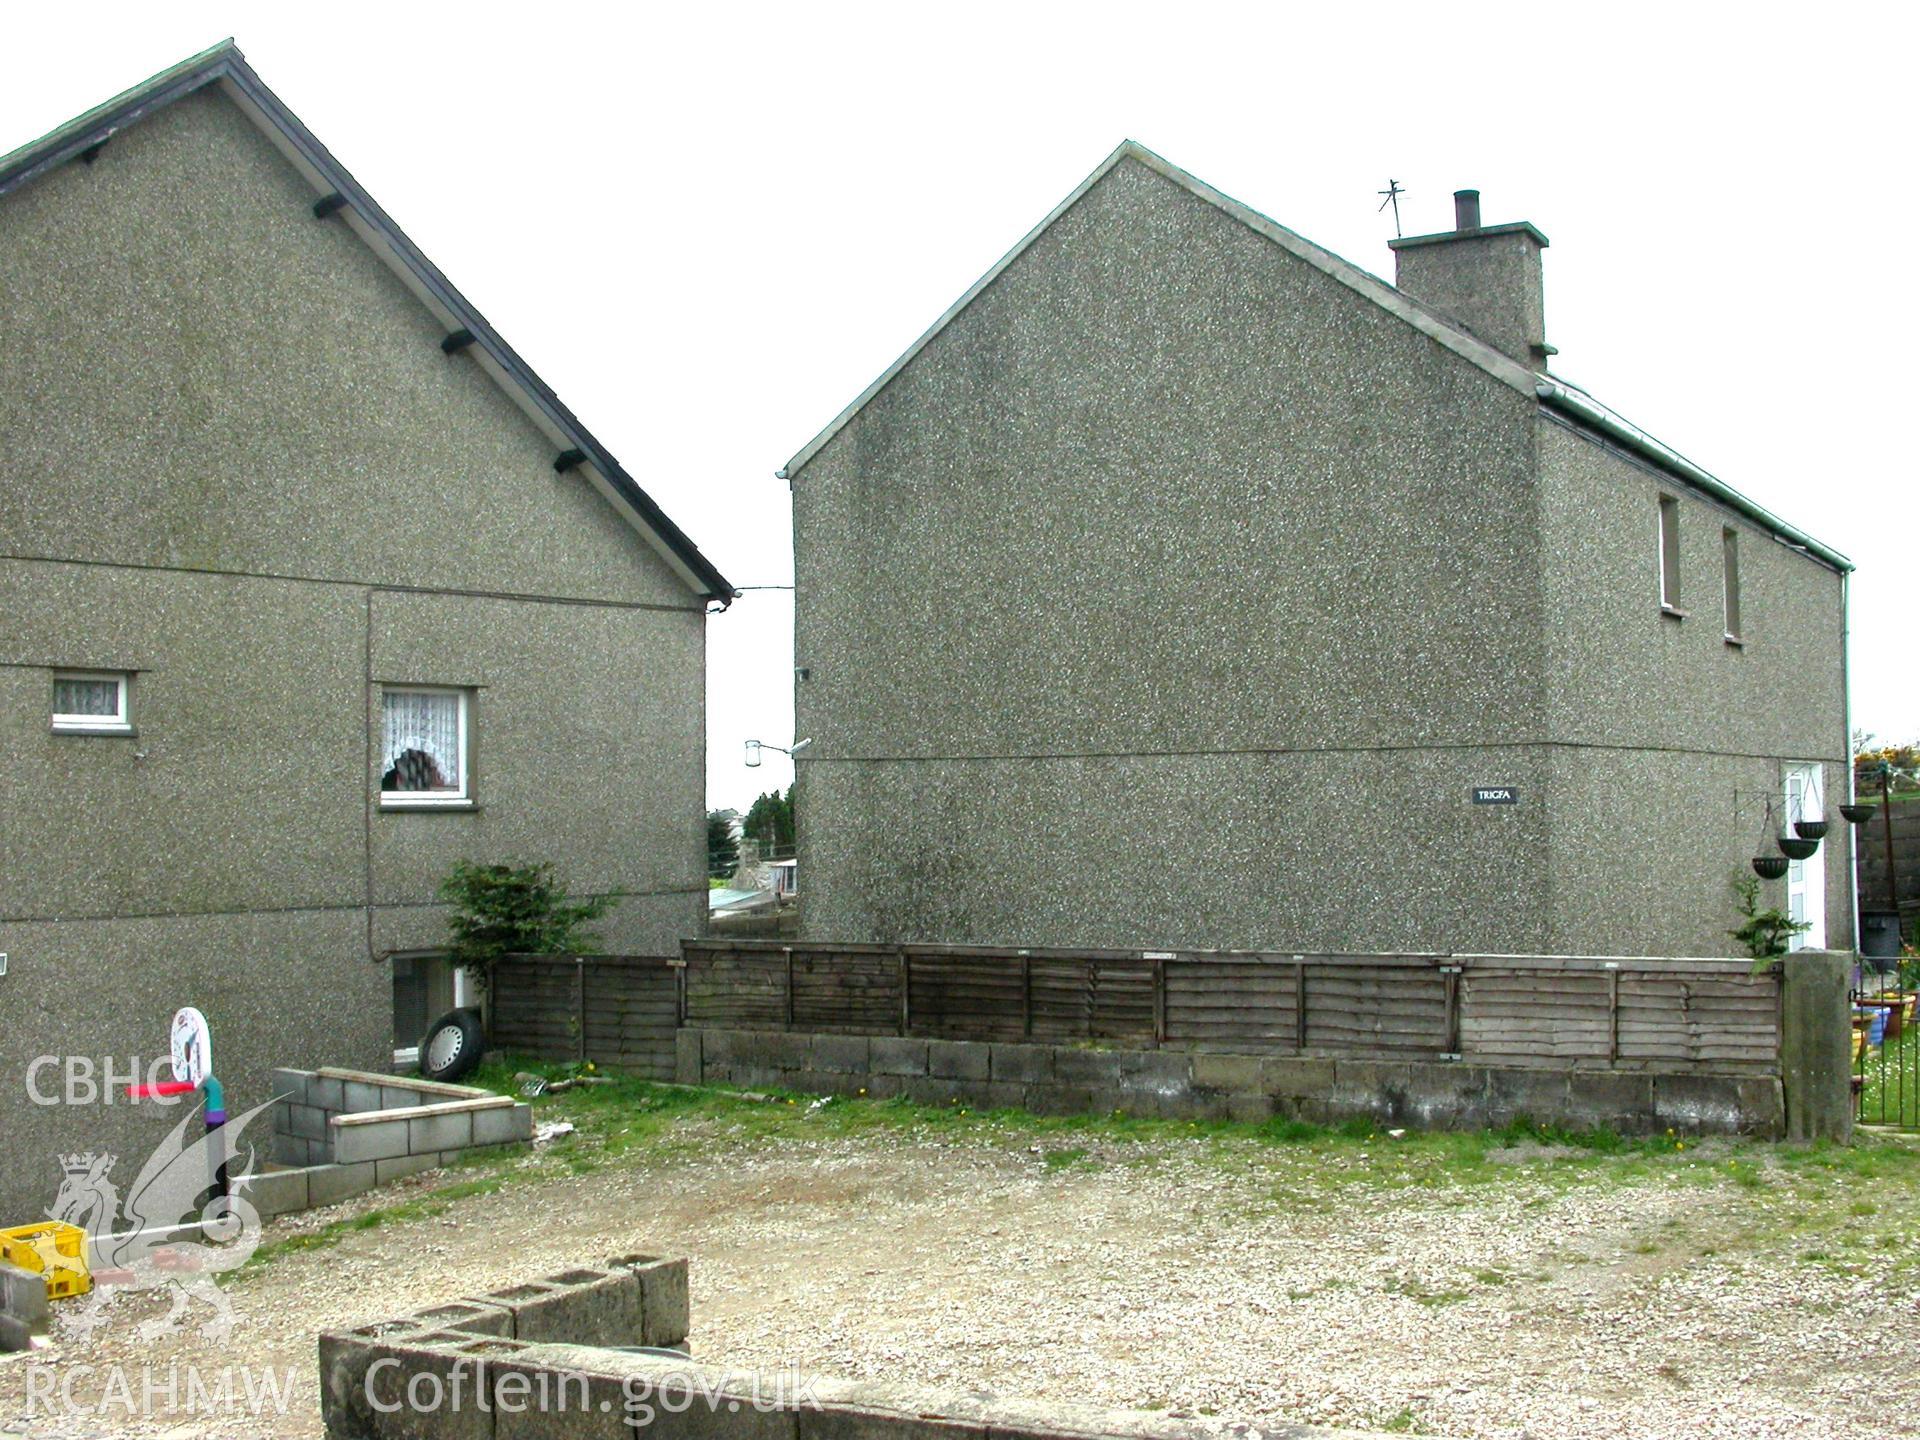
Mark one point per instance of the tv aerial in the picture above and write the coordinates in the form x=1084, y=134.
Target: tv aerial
x=1393, y=192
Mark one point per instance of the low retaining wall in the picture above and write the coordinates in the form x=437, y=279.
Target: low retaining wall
x=339, y=1133
x=1071, y=1079
x=530, y=1362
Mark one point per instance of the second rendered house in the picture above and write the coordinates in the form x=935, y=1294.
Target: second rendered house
x=1197, y=588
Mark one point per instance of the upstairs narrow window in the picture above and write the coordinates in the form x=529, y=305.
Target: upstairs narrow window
x=89, y=702
x=1730, y=574
x=1670, y=555
x=423, y=758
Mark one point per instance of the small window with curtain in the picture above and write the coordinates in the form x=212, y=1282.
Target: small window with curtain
x=90, y=702
x=1730, y=578
x=423, y=755
x=1670, y=557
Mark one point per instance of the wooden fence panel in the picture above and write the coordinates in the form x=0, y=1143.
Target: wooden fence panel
x=1386, y=1008
x=1513, y=1015
x=632, y=1011
x=1221, y=1003
x=532, y=1006
x=1487, y=1009
x=619, y=1011
x=1062, y=993
x=849, y=990
x=1679, y=1020
x=738, y=986
x=966, y=996
x=1124, y=1001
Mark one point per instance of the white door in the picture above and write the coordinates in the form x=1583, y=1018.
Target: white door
x=1806, y=879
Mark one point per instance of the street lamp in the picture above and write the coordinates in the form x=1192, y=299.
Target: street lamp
x=754, y=747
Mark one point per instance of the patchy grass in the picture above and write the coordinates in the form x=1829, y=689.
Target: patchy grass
x=633, y=1119
x=1064, y=1159
x=423, y=1207
x=1422, y=1294
x=1850, y=1208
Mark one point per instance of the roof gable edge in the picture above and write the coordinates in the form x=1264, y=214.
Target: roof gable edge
x=952, y=312
x=1371, y=287
x=1368, y=285
x=224, y=64
x=26, y=163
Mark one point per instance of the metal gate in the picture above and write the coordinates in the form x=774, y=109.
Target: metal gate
x=1886, y=1051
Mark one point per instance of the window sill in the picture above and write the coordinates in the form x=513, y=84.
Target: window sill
x=60, y=729
x=399, y=806
x=1734, y=642
x=1672, y=612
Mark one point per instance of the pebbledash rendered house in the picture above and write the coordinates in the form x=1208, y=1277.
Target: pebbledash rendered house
x=311, y=587
x=1188, y=586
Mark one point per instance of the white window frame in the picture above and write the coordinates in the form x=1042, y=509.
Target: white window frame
x=434, y=799
x=1730, y=584
x=119, y=723
x=1667, y=554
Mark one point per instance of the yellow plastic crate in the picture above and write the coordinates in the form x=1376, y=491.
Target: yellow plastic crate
x=54, y=1249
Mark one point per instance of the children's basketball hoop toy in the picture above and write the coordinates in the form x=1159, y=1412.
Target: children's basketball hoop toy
x=192, y=1056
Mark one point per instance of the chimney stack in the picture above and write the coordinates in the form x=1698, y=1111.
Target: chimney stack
x=1486, y=278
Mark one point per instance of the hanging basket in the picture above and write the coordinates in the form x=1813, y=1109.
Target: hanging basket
x=1810, y=829
x=1794, y=848
x=1769, y=867
x=1857, y=814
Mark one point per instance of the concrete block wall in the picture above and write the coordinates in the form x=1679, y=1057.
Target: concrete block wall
x=312, y=1100
x=23, y=1307
x=628, y=1300
x=339, y=1133
x=1182, y=1084
x=532, y=1361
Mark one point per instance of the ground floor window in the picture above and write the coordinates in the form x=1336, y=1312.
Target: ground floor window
x=423, y=755
x=90, y=702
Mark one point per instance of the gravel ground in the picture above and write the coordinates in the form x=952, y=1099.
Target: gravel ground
x=1251, y=1282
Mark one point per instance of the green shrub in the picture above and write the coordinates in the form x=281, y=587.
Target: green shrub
x=1766, y=932
x=515, y=910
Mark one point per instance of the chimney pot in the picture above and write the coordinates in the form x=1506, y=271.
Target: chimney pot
x=1466, y=209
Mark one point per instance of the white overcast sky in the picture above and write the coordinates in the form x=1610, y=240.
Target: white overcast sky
x=710, y=227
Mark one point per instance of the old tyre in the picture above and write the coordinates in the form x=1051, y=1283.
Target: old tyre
x=450, y=1050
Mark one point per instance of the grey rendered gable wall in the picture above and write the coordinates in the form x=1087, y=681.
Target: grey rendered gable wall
x=1672, y=740
x=1171, y=555
x=292, y=413
x=1437, y=328
x=236, y=462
